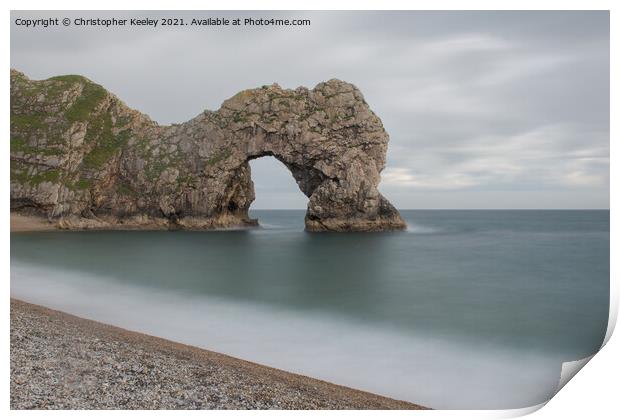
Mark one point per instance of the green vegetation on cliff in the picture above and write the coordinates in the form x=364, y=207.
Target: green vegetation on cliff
x=85, y=105
x=106, y=142
x=24, y=174
x=27, y=122
x=18, y=145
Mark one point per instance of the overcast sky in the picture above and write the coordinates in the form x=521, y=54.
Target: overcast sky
x=484, y=109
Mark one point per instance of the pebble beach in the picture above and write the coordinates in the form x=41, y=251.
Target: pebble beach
x=60, y=361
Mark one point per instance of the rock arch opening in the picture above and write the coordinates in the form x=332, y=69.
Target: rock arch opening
x=274, y=186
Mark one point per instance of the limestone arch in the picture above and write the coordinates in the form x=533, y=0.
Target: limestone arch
x=81, y=157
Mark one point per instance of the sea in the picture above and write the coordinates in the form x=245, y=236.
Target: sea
x=469, y=309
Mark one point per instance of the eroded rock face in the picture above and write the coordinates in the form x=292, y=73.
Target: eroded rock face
x=82, y=157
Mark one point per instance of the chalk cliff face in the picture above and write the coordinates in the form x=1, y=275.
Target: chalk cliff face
x=82, y=158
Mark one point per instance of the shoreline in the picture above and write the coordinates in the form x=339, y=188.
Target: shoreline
x=21, y=223
x=61, y=361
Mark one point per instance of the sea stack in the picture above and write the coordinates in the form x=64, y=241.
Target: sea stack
x=83, y=159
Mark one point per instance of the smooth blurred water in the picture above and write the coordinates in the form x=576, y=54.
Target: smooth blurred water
x=465, y=309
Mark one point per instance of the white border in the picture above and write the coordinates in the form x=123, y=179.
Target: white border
x=592, y=394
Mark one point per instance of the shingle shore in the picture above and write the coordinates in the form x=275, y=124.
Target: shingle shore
x=59, y=361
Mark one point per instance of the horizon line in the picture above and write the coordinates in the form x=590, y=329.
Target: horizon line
x=474, y=209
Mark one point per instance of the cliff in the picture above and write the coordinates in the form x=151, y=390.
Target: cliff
x=83, y=159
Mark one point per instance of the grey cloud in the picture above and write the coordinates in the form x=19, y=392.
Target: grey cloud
x=484, y=109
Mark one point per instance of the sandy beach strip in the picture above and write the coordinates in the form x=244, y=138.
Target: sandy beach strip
x=23, y=223
x=60, y=361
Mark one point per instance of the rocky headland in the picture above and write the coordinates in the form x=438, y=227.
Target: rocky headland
x=82, y=159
